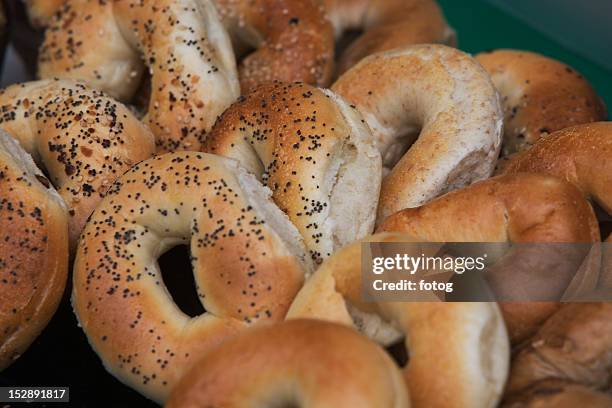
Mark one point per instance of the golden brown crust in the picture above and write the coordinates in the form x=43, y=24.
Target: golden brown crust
x=513, y=208
x=295, y=363
x=439, y=104
x=40, y=12
x=573, y=346
x=294, y=42
x=387, y=24
x=33, y=251
x=314, y=152
x=540, y=95
x=579, y=154
x=245, y=270
x=83, y=138
x=458, y=352
x=182, y=43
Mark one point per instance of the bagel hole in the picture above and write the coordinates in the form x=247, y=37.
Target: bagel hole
x=399, y=353
x=605, y=221
x=285, y=404
x=243, y=51
x=346, y=39
x=245, y=41
x=142, y=97
x=175, y=267
x=399, y=147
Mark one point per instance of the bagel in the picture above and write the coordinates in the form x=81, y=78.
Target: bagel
x=182, y=42
x=560, y=394
x=521, y=208
x=573, y=346
x=539, y=95
x=440, y=101
x=303, y=363
x=314, y=152
x=83, y=138
x=40, y=12
x=248, y=261
x=33, y=250
x=293, y=40
x=458, y=352
x=386, y=24
x=579, y=154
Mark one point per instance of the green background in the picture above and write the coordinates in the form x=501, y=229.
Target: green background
x=481, y=26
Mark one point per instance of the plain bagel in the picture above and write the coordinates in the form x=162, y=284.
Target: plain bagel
x=248, y=262
x=302, y=363
x=386, y=24
x=188, y=53
x=439, y=102
x=560, y=394
x=83, y=138
x=579, y=154
x=458, y=352
x=521, y=208
x=539, y=95
x=293, y=41
x=33, y=250
x=316, y=155
x=572, y=347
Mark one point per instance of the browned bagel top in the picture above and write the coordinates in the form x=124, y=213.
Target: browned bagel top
x=386, y=25
x=540, y=95
x=83, y=138
x=314, y=152
x=293, y=40
x=108, y=44
x=579, y=154
x=33, y=250
x=306, y=363
x=517, y=208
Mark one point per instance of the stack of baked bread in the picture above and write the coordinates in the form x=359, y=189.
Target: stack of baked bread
x=252, y=132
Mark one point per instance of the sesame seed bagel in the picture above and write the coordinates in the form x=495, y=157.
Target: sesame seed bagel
x=521, y=208
x=33, y=250
x=248, y=262
x=572, y=347
x=304, y=363
x=579, y=154
x=182, y=42
x=40, y=12
x=83, y=138
x=458, y=352
x=539, y=95
x=293, y=40
x=386, y=24
x=441, y=104
x=316, y=155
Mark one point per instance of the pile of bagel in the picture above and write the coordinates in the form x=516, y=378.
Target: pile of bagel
x=273, y=142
